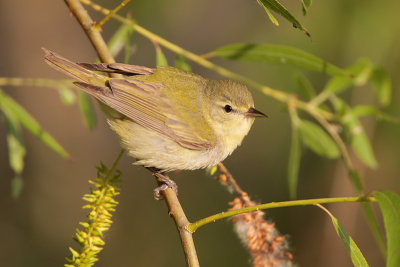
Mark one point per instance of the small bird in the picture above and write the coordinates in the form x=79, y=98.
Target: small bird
x=166, y=118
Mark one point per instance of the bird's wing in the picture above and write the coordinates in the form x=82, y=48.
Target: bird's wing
x=144, y=103
x=125, y=69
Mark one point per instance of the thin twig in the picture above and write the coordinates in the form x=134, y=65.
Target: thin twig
x=227, y=173
x=174, y=206
x=305, y=202
x=107, y=17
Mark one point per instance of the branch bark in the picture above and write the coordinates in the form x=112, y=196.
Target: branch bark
x=173, y=204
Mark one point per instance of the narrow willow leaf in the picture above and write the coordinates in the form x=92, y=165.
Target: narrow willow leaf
x=277, y=7
x=389, y=203
x=359, y=141
x=67, y=96
x=87, y=111
x=268, y=53
x=317, y=139
x=17, y=184
x=161, y=60
x=119, y=39
x=181, y=63
x=270, y=16
x=360, y=73
x=306, y=5
x=294, y=161
x=364, y=110
x=373, y=224
x=306, y=89
x=362, y=147
x=383, y=86
x=16, y=148
x=31, y=124
x=355, y=254
x=358, y=138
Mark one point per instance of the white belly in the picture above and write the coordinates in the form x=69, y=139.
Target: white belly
x=154, y=150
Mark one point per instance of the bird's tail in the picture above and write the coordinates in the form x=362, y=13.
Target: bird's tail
x=73, y=70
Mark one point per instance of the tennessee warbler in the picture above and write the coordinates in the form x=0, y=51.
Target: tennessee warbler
x=167, y=118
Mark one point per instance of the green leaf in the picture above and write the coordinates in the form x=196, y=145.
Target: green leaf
x=161, y=60
x=16, y=148
x=317, y=139
x=358, y=138
x=355, y=254
x=268, y=53
x=373, y=224
x=31, y=124
x=362, y=147
x=181, y=63
x=294, y=161
x=119, y=40
x=17, y=184
x=389, y=203
x=364, y=110
x=360, y=73
x=277, y=7
x=306, y=5
x=87, y=111
x=68, y=96
x=306, y=89
x=270, y=16
x=382, y=83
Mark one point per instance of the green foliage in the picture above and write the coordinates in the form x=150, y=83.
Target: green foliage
x=317, y=139
x=30, y=124
x=87, y=111
x=181, y=63
x=358, y=138
x=306, y=5
x=279, y=54
x=161, y=60
x=67, y=95
x=355, y=254
x=389, y=202
x=101, y=203
x=17, y=117
x=277, y=7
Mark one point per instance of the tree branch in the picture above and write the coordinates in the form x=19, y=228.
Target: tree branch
x=175, y=208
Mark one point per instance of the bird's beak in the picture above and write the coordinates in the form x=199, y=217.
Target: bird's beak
x=252, y=112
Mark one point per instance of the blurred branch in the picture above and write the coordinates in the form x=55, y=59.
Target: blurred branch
x=5, y=81
x=175, y=209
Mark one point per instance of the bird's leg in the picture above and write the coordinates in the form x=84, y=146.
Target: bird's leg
x=164, y=182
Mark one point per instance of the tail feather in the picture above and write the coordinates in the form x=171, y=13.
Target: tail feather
x=73, y=69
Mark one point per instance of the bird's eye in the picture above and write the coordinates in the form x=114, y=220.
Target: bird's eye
x=227, y=108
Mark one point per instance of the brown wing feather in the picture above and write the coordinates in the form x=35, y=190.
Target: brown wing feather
x=121, y=68
x=143, y=103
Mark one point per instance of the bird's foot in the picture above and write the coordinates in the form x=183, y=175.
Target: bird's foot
x=164, y=182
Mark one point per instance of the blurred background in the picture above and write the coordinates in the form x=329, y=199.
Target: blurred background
x=37, y=228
